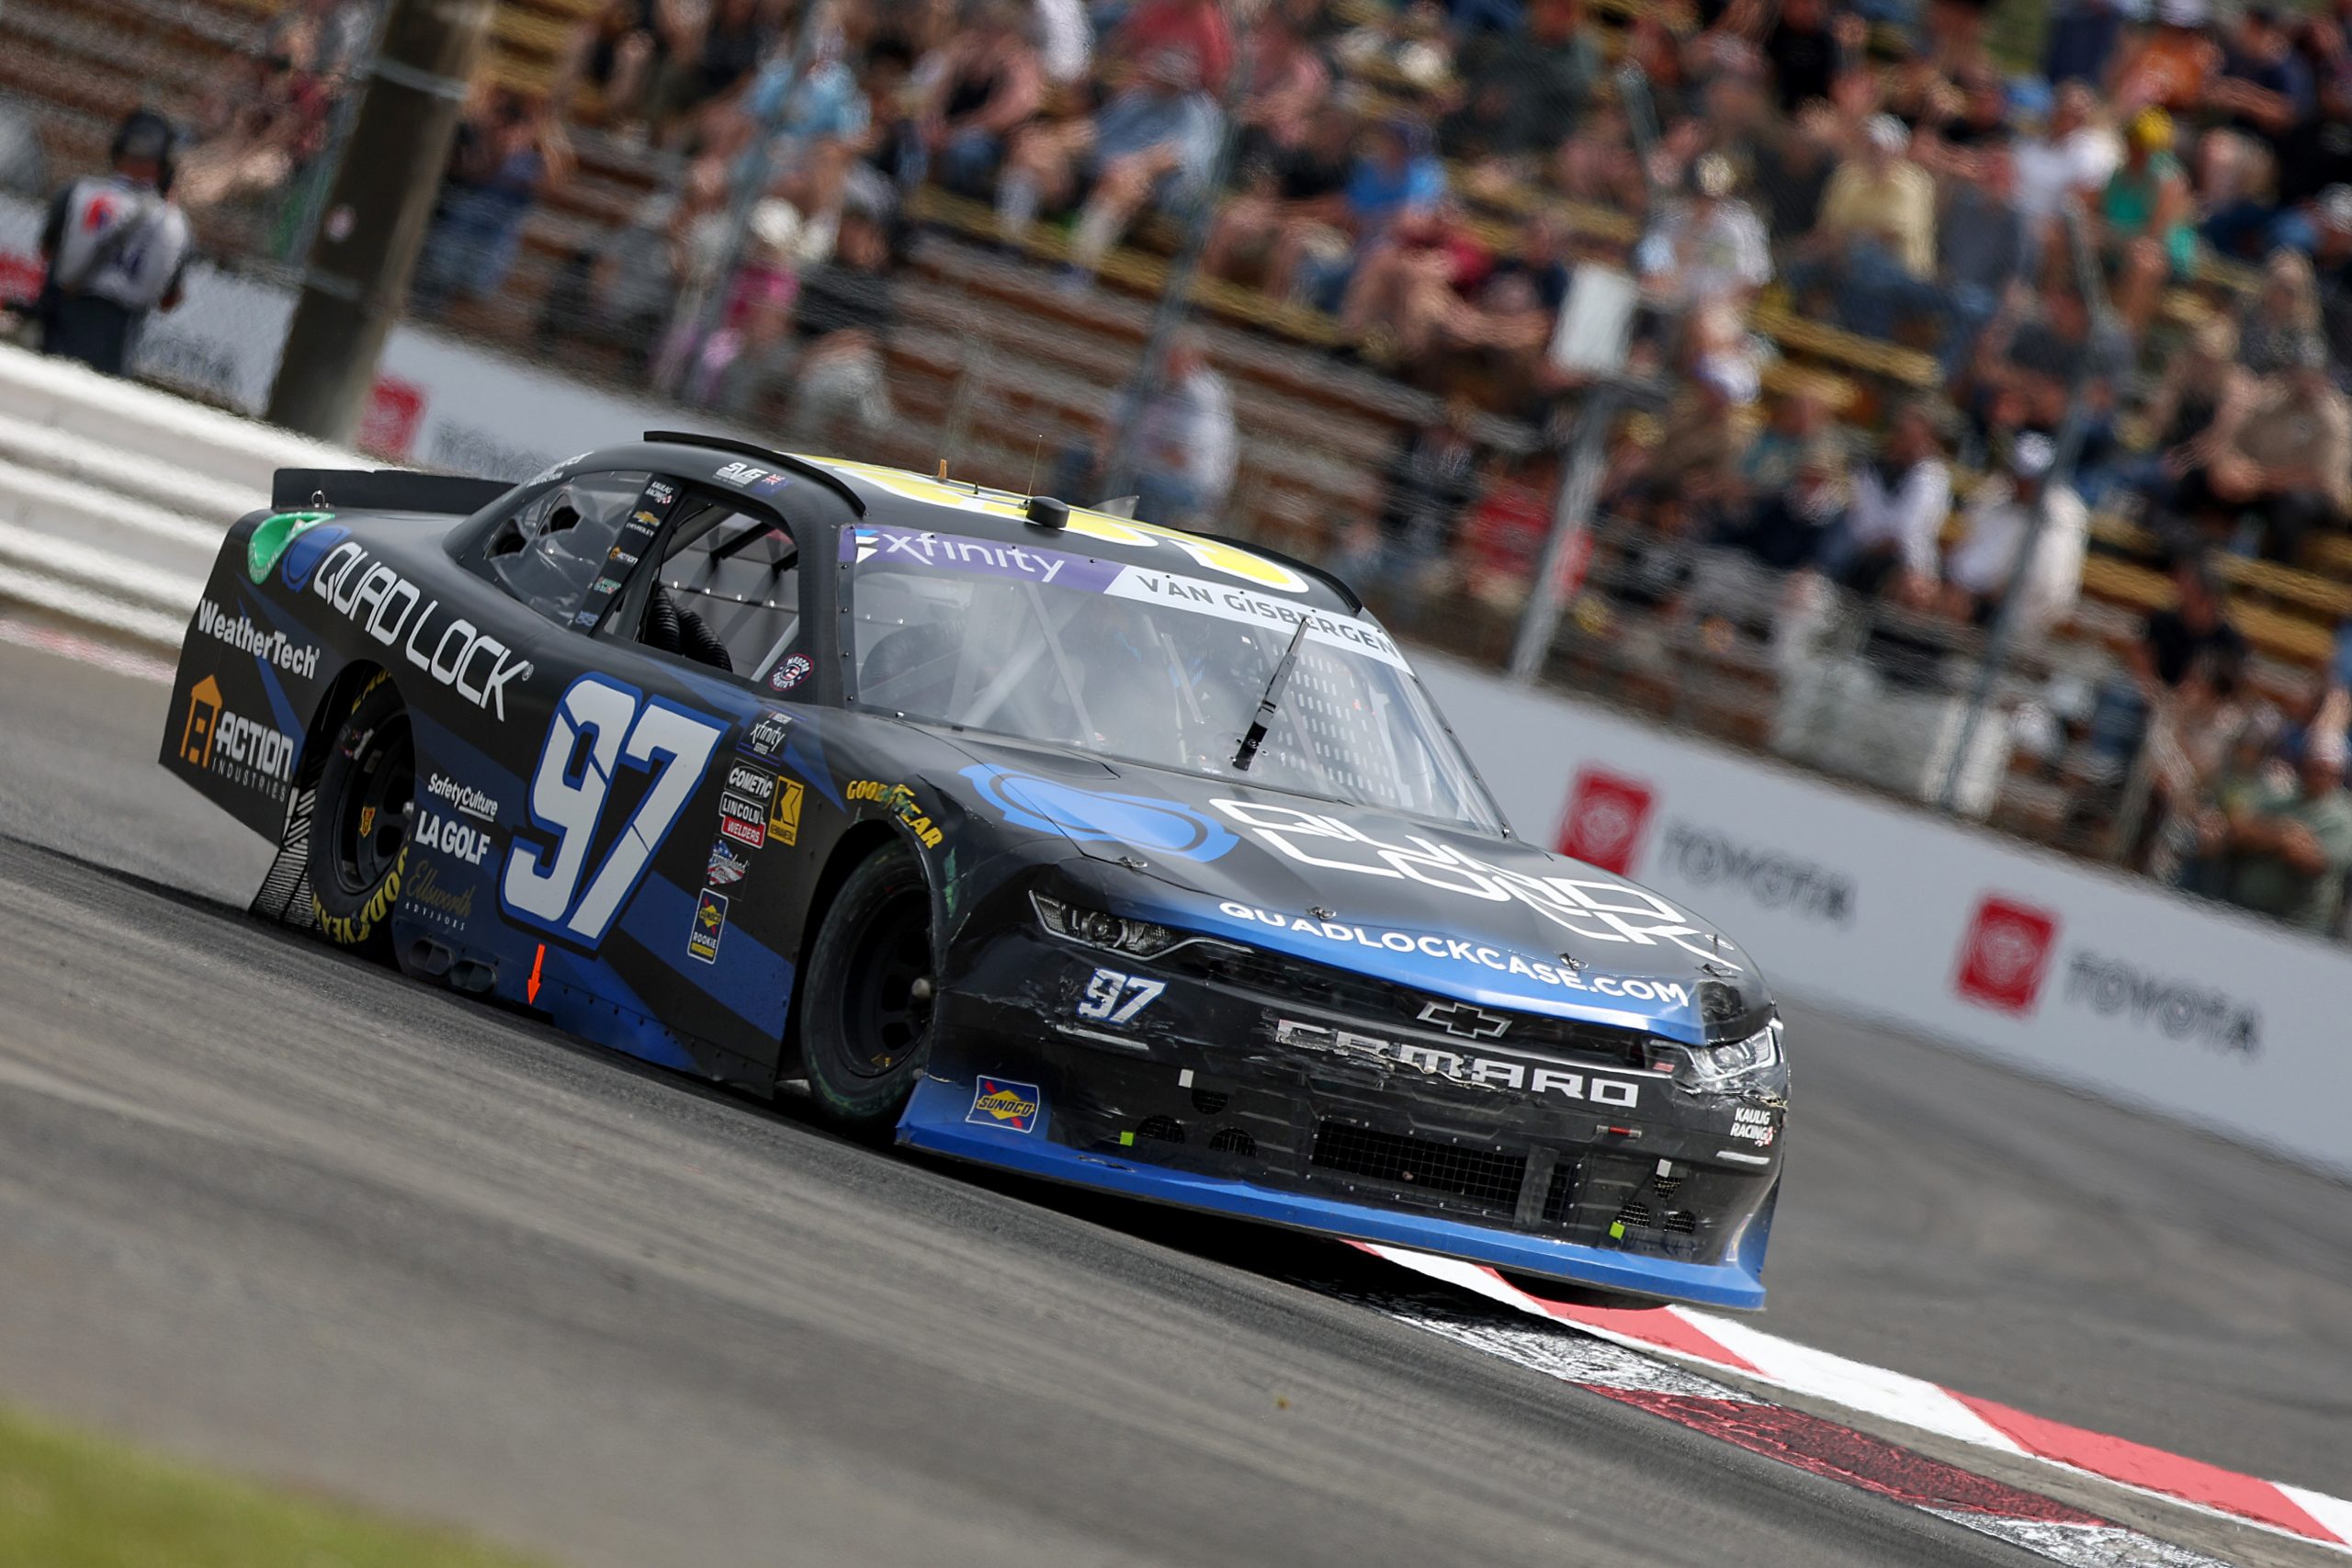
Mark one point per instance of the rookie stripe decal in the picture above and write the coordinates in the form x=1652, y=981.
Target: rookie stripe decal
x=1732, y=1347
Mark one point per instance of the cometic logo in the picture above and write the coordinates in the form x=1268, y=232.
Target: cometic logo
x=2004, y=954
x=1605, y=818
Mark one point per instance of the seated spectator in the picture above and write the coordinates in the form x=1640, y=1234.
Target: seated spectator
x=1799, y=426
x=1794, y=164
x=1983, y=249
x=989, y=84
x=1285, y=196
x=1065, y=39
x=1411, y=286
x=1896, y=515
x=817, y=126
x=2188, y=748
x=509, y=151
x=2169, y=66
x=893, y=158
x=2001, y=515
x=1598, y=163
x=1540, y=81
x=1393, y=179
x=2283, y=319
x=1505, y=328
x=2065, y=162
x=1288, y=84
x=2250, y=769
x=1806, y=53
x=1796, y=520
x=2289, y=850
x=1709, y=248
x=1875, y=247
x=1153, y=144
x=2181, y=408
x=2198, y=627
x=2276, y=460
x=2144, y=216
x=708, y=51
x=612, y=52
x=833, y=367
x=2081, y=41
x=2038, y=357
x=1196, y=29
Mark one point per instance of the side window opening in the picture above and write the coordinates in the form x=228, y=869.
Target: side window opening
x=728, y=592
x=551, y=552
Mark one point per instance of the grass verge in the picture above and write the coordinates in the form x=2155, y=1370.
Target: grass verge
x=72, y=1501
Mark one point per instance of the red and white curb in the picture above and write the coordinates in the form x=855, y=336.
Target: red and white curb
x=1731, y=1346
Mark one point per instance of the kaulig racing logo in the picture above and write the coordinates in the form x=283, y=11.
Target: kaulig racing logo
x=450, y=649
x=271, y=647
x=2114, y=987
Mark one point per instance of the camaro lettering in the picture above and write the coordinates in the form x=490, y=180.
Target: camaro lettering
x=1472, y=1070
x=2177, y=1010
x=455, y=652
x=1455, y=950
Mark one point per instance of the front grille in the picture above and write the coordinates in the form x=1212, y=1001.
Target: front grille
x=1560, y=1196
x=1233, y=1140
x=1284, y=983
x=1477, y=1174
x=1161, y=1129
x=1209, y=1102
x=1632, y=1217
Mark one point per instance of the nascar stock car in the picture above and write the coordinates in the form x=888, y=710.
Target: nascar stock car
x=1023, y=833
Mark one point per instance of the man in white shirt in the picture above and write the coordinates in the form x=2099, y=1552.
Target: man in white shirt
x=1898, y=511
x=116, y=249
x=1186, y=445
x=2072, y=159
x=1999, y=517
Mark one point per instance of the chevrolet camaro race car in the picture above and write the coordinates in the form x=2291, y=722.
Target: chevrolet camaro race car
x=1023, y=833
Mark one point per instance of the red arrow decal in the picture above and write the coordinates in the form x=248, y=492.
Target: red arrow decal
x=531, y=990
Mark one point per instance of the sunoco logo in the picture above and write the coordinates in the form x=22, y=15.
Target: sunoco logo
x=1770, y=881
x=2114, y=987
x=276, y=649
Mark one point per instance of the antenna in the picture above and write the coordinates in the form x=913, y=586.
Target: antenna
x=1036, y=456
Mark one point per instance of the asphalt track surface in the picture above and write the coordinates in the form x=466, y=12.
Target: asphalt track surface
x=266, y=1206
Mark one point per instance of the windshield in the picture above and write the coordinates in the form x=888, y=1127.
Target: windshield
x=1147, y=667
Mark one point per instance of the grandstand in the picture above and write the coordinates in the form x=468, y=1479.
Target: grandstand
x=993, y=362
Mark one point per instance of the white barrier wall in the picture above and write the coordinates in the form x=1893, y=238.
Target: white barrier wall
x=2090, y=978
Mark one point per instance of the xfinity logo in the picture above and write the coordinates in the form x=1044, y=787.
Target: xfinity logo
x=1475, y=1072
x=1461, y=1018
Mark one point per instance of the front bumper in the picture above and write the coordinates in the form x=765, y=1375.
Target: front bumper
x=1196, y=1103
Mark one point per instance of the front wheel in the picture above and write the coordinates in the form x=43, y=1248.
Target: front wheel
x=865, y=998
x=359, y=825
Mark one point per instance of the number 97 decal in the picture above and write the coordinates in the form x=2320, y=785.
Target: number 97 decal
x=600, y=726
x=1113, y=998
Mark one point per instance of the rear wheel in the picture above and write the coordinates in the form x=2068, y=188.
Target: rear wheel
x=866, y=999
x=359, y=826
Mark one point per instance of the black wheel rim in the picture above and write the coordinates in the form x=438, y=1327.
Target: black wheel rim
x=886, y=1006
x=371, y=816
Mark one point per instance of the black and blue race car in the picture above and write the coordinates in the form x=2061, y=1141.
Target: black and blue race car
x=1022, y=832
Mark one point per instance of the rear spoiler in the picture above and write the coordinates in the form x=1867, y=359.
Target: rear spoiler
x=381, y=490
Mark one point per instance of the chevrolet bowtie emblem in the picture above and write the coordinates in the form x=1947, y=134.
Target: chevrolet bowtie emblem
x=1461, y=1018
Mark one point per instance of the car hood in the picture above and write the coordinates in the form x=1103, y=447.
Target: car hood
x=1490, y=920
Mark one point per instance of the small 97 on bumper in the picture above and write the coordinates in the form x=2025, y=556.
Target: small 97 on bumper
x=1011, y=1122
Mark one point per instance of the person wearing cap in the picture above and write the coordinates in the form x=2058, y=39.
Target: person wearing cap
x=2000, y=516
x=2146, y=212
x=2291, y=848
x=1710, y=247
x=116, y=250
x=1875, y=244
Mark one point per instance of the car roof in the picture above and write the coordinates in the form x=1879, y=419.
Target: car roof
x=900, y=498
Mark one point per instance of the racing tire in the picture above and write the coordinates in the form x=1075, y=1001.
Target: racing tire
x=865, y=997
x=359, y=825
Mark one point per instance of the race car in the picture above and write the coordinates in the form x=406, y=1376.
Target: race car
x=1022, y=832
